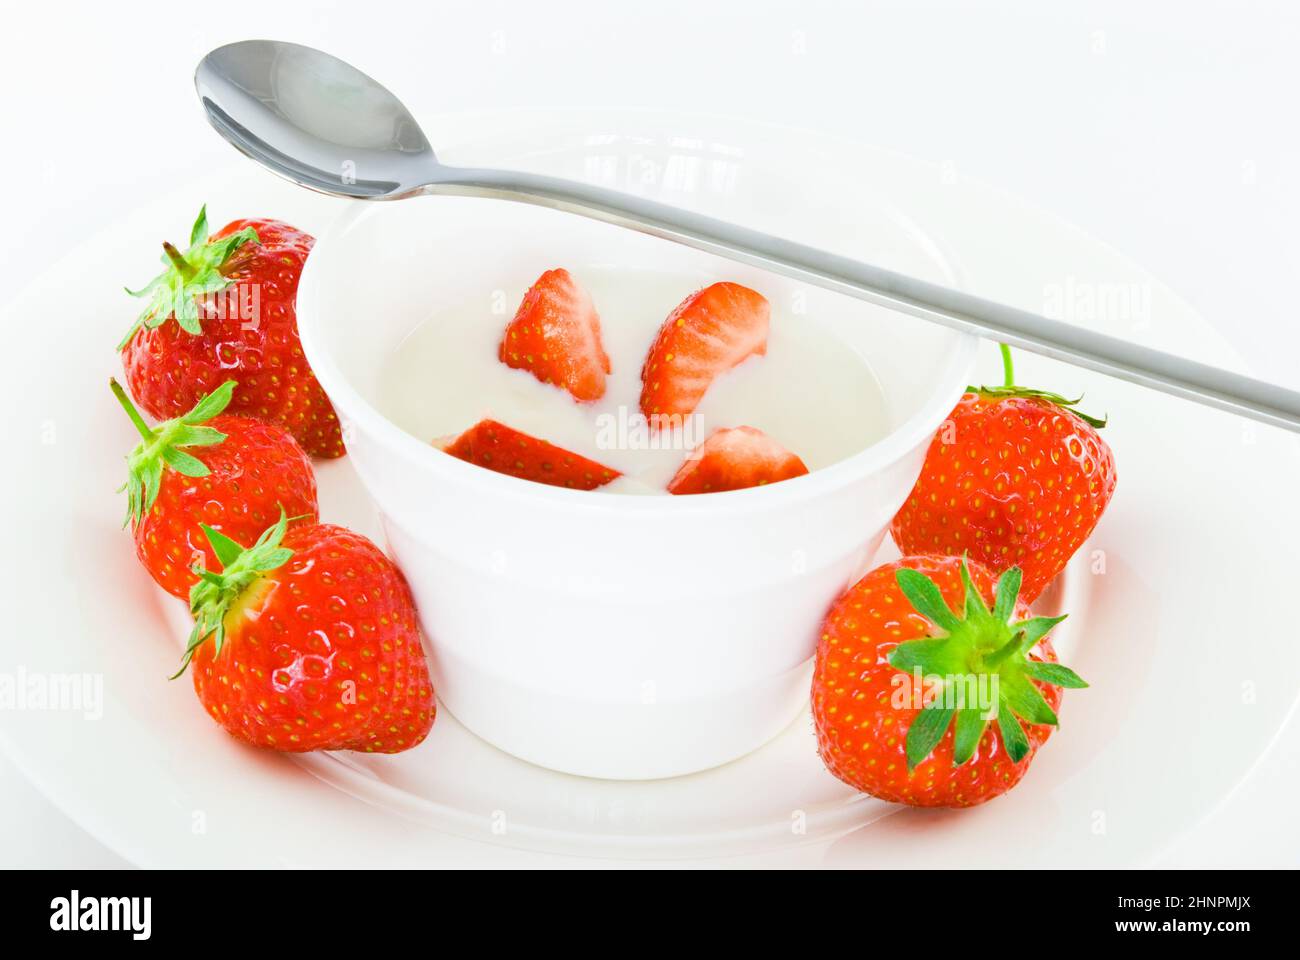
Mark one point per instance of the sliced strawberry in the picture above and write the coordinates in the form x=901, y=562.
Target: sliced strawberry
x=710, y=332
x=555, y=336
x=497, y=447
x=735, y=458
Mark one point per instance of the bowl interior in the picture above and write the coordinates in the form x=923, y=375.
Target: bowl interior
x=407, y=261
x=382, y=270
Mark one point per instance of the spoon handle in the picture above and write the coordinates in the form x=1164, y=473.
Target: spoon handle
x=1265, y=402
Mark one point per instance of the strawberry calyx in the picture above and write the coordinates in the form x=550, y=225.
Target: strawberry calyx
x=982, y=652
x=160, y=447
x=1009, y=390
x=186, y=277
x=216, y=594
x=1003, y=393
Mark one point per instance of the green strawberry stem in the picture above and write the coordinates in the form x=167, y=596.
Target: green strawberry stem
x=187, y=277
x=1009, y=390
x=160, y=447
x=145, y=430
x=213, y=596
x=178, y=260
x=980, y=652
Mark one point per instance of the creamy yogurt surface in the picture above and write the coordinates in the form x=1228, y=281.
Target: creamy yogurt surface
x=812, y=393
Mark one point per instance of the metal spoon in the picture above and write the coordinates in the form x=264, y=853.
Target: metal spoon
x=321, y=123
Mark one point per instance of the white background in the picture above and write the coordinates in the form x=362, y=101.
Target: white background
x=1166, y=129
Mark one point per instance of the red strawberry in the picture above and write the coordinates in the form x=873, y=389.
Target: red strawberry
x=710, y=332
x=248, y=472
x=555, y=336
x=734, y=458
x=1013, y=477
x=308, y=641
x=883, y=732
x=497, y=447
x=224, y=310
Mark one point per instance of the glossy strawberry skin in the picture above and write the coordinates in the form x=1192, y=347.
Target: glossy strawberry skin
x=1009, y=481
x=255, y=471
x=555, y=335
x=332, y=659
x=709, y=332
x=502, y=449
x=733, y=459
x=168, y=369
x=861, y=729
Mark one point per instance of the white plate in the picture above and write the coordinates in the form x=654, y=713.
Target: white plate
x=1191, y=677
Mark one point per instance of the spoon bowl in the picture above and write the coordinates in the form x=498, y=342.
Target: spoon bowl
x=314, y=119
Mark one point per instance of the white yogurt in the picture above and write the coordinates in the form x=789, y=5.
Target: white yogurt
x=813, y=394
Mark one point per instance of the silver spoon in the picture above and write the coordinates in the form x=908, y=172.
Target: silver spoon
x=324, y=124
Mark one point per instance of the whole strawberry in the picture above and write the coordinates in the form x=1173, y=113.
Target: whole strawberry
x=307, y=640
x=916, y=703
x=245, y=473
x=1014, y=476
x=224, y=310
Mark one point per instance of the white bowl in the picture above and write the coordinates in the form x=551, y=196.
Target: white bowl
x=605, y=635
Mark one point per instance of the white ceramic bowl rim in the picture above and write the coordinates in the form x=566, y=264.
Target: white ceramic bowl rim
x=896, y=444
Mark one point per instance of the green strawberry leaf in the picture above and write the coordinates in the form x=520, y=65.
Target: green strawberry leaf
x=1054, y=673
x=212, y=597
x=199, y=232
x=976, y=609
x=926, y=731
x=227, y=550
x=187, y=276
x=1013, y=734
x=1035, y=629
x=1025, y=701
x=160, y=447
x=984, y=651
x=183, y=463
x=1004, y=599
x=924, y=595
x=932, y=656
x=970, y=727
